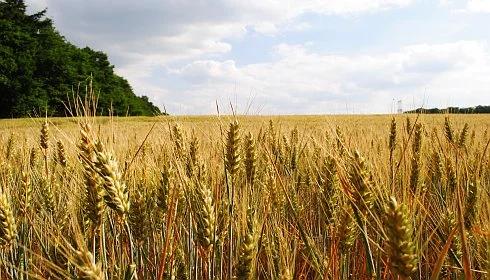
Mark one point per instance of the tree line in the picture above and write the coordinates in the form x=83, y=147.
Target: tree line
x=453, y=110
x=40, y=69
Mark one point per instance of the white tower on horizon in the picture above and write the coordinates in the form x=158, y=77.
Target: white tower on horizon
x=399, y=107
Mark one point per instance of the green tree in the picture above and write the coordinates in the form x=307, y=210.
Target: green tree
x=39, y=69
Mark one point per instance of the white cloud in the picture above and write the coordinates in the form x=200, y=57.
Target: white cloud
x=140, y=35
x=467, y=7
x=172, y=51
x=478, y=6
x=149, y=26
x=36, y=5
x=301, y=81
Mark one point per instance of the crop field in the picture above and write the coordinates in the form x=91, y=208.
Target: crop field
x=245, y=197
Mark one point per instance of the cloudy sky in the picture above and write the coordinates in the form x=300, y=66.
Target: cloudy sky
x=289, y=57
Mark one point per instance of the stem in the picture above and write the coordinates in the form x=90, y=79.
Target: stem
x=230, y=229
x=130, y=238
x=365, y=239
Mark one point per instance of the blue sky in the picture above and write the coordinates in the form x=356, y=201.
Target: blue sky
x=289, y=57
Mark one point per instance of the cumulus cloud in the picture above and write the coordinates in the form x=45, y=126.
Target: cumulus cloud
x=186, y=28
x=304, y=81
x=179, y=53
x=479, y=6
x=141, y=35
x=467, y=7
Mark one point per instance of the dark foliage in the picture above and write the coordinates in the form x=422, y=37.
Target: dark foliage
x=453, y=110
x=39, y=70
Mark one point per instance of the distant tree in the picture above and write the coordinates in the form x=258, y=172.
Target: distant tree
x=453, y=110
x=39, y=69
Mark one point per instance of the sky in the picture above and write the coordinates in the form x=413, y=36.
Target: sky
x=289, y=57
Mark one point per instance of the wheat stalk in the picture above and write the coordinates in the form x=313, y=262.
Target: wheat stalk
x=87, y=268
x=25, y=200
x=403, y=259
x=94, y=193
x=232, y=155
x=248, y=249
x=250, y=159
x=448, y=130
x=205, y=217
x=362, y=184
x=8, y=228
x=116, y=193
x=415, y=163
x=61, y=154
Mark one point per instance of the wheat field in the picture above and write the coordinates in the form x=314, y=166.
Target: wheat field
x=245, y=197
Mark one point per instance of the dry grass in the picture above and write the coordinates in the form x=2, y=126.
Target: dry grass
x=280, y=197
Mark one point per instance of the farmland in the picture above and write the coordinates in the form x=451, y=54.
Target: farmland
x=251, y=197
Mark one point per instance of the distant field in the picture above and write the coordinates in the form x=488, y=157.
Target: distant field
x=360, y=129
x=211, y=124
x=251, y=197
